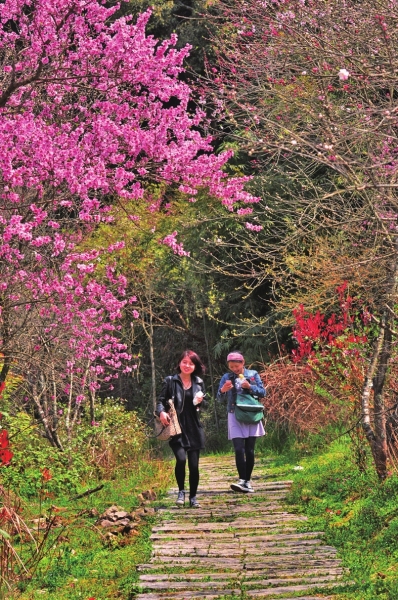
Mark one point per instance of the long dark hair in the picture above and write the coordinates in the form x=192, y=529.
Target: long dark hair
x=199, y=366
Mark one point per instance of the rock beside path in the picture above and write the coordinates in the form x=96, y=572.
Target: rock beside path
x=117, y=521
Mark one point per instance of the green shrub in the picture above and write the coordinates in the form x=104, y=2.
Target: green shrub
x=32, y=456
x=114, y=439
x=95, y=451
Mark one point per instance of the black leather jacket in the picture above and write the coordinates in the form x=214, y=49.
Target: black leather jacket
x=172, y=388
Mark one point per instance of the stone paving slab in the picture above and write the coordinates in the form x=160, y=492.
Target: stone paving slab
x=237, y=545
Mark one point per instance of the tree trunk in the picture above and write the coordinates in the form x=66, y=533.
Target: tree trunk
x=367, y=387
x=380, y=451
x=5, y=336
x=376, y=377
x=152, y=358
x=210, y=363
x=68, y=416
x=91, y=395
x=50, y=434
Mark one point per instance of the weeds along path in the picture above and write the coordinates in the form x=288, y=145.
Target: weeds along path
x=237, y=545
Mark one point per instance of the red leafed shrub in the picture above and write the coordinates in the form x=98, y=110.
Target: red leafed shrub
x=321, y=382
x=316, y=334
x=5, y=452
x=46, y=474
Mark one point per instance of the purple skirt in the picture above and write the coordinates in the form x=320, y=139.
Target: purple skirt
x=243, y=430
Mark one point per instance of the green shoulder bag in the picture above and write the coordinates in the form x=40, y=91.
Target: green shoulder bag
x=248, y=409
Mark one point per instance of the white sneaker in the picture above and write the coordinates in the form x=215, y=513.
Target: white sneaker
x=180, y=498
x=248, y=487
x=239, y=487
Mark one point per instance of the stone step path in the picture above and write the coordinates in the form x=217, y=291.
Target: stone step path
x=237, y=545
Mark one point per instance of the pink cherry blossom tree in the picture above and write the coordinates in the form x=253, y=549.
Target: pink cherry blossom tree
x=91, y=111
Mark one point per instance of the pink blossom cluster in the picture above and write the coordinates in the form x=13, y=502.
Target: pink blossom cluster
x=170, y=240
x=253, y=227
x=97, y=106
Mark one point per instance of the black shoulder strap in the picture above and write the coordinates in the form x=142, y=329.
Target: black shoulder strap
x=172, y=386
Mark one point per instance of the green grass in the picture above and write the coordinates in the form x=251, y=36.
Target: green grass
x=358, y=514
x=79, y=561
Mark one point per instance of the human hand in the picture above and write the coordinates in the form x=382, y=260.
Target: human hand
x=228, y=385
x=198, y=398
x=164, y=418
x=245, y=384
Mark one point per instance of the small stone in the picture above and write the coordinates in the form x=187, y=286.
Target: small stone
x=112, y=509
x=121, y=514
x=106, y=523
x=148, y=510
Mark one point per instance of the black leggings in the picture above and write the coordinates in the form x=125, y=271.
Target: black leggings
x=244, y=456
x=193, y=463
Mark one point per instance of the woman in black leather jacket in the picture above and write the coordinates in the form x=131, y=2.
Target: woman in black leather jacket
x=187, y=390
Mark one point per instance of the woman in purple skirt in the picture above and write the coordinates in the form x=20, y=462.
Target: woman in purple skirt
x=243, y=435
